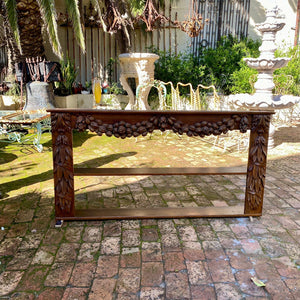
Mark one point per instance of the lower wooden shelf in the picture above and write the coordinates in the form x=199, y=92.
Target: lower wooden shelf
x=157, y=213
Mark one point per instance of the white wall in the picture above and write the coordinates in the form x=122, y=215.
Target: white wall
x=287, y=13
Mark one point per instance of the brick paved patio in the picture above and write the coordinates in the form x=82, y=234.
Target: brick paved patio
x=149, y=259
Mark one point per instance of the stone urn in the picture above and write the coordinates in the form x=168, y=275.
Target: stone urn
x=139, y=66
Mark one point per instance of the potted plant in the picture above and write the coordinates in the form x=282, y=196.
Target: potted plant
x=68, y=92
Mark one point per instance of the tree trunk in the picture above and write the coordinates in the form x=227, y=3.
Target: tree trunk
x=30, y=28
x=14, y=54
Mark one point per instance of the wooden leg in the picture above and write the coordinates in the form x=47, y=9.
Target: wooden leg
x=63, y=169
x=257, y=161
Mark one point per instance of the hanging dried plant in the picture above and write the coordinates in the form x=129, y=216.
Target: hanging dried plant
x=192, y=26
x=151, y=16
x=194, y=22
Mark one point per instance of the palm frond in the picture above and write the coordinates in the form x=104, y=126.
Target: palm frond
x=11, y=9
x=74, y=14
x=98, y=7
x=48, y=14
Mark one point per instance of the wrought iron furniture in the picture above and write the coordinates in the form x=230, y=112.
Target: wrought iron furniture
x=24, y=127
x=124, y=124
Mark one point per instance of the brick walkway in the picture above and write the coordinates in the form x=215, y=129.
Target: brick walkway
x=149, y=259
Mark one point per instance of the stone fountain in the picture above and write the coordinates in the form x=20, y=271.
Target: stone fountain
x=266, y=64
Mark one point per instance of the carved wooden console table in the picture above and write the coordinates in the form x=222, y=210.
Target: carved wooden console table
x=124, y=124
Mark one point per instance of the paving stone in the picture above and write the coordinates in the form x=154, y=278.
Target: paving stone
x=251, y=246
x=130, y=258
x=51, y=293
x=33, y=279
x=213, y=250
x=131, y=238
x=21, y=260
x=247, y=286
x=205, y=233
x=24, y=216
x=107, y=266
x=170, y=242
x=127, y=296
x=44, y=255
x=72, y=293
x=22, y=296
x=83, y=274
x=219, y=225
x=53, y=236
x=9, y=246
x=278, y=290
x=17, y=230
x=73, y=234
x=153, y=293
x=151, y=251
x=198, y=272
x=88, y=251
x=9, y=281
x=128, y=281
x=174, y=262
x=200, y=292
x=227, y=291
x=59, y=274
x=102, y=289
x=110, y=246
x=241, y=231
x=166, y=227
x=67, y=252
x=112, y=229
x=188, y=234
x=92, y=234
x=31, y=241
x=272, y=248
x=152, y=274
x=294, y=286
x=149, y=234
x=220, y=271
x=131, y=224
x=238, y=260
x=177, y=286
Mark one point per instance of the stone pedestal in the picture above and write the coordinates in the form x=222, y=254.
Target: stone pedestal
x=139, y=66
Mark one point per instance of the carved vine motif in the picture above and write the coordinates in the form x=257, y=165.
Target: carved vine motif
x=257, y=161
x=124, y=129
x=63, y=164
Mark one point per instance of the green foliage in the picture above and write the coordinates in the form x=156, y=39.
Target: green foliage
x=225, y=60
x=287, y=79
x=110, y=68
x=116, y=89
x=183, y=67
x=213, y=66
x=14, y=90
x=69, y=74
x=243, y=79
x=11, y=7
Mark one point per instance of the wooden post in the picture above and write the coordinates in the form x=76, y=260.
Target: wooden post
x=257, y=163
x=63, y=169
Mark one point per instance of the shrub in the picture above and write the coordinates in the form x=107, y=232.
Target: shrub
x=183, y=67
x=223, y=61
x=213, y=66
x=242, y=80
x=287, y=79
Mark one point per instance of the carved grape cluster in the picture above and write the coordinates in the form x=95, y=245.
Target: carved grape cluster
x=124, y=129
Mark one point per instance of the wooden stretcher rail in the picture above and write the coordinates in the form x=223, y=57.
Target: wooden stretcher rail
x=156, y=171
x=124, y=124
